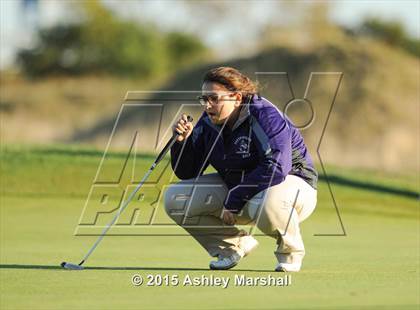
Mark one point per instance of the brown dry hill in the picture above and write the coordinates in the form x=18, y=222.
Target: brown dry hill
x=374, y=121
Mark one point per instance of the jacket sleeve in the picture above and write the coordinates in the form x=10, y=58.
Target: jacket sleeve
x=275, y=160
x=188, y=157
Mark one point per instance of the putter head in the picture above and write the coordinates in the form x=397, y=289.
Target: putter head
x=71, y=266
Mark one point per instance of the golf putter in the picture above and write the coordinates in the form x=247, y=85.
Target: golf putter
x=162, y=154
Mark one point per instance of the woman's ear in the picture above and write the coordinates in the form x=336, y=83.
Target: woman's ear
x=238, y=99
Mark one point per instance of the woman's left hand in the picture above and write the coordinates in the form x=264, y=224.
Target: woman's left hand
x=228, y=217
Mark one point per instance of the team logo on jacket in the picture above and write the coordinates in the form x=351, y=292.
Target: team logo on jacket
x=242, y=144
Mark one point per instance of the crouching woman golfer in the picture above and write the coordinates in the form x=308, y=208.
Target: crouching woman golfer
x=265, y=175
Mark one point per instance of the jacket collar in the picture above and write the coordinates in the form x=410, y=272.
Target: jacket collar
x=243, y=114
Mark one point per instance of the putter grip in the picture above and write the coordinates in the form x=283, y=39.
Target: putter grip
x=169, y=145
x=190, y=119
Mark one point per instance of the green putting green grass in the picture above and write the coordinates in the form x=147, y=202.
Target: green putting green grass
x=44, y=190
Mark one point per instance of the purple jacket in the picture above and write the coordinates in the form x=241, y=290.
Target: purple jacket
x=262, y=148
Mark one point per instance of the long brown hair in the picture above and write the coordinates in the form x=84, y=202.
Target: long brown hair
x=232, y=79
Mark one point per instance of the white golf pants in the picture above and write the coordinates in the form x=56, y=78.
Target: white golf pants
x=197, y=204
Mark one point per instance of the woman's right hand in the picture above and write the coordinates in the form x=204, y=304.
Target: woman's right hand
x=183, y=127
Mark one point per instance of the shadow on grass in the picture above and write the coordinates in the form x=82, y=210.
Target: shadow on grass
x=58, y=267
x=336, y=179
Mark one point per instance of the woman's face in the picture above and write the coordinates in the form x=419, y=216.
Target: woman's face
x=222, y=104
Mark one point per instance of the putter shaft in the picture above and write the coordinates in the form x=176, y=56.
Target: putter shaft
x=125, y=204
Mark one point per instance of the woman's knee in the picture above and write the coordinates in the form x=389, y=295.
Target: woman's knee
x=181, y=198
x=195, y=197
x=170, y=199
x=273, y=217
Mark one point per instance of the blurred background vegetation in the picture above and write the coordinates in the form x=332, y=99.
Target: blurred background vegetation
x=69, y=84
x=105, y=44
